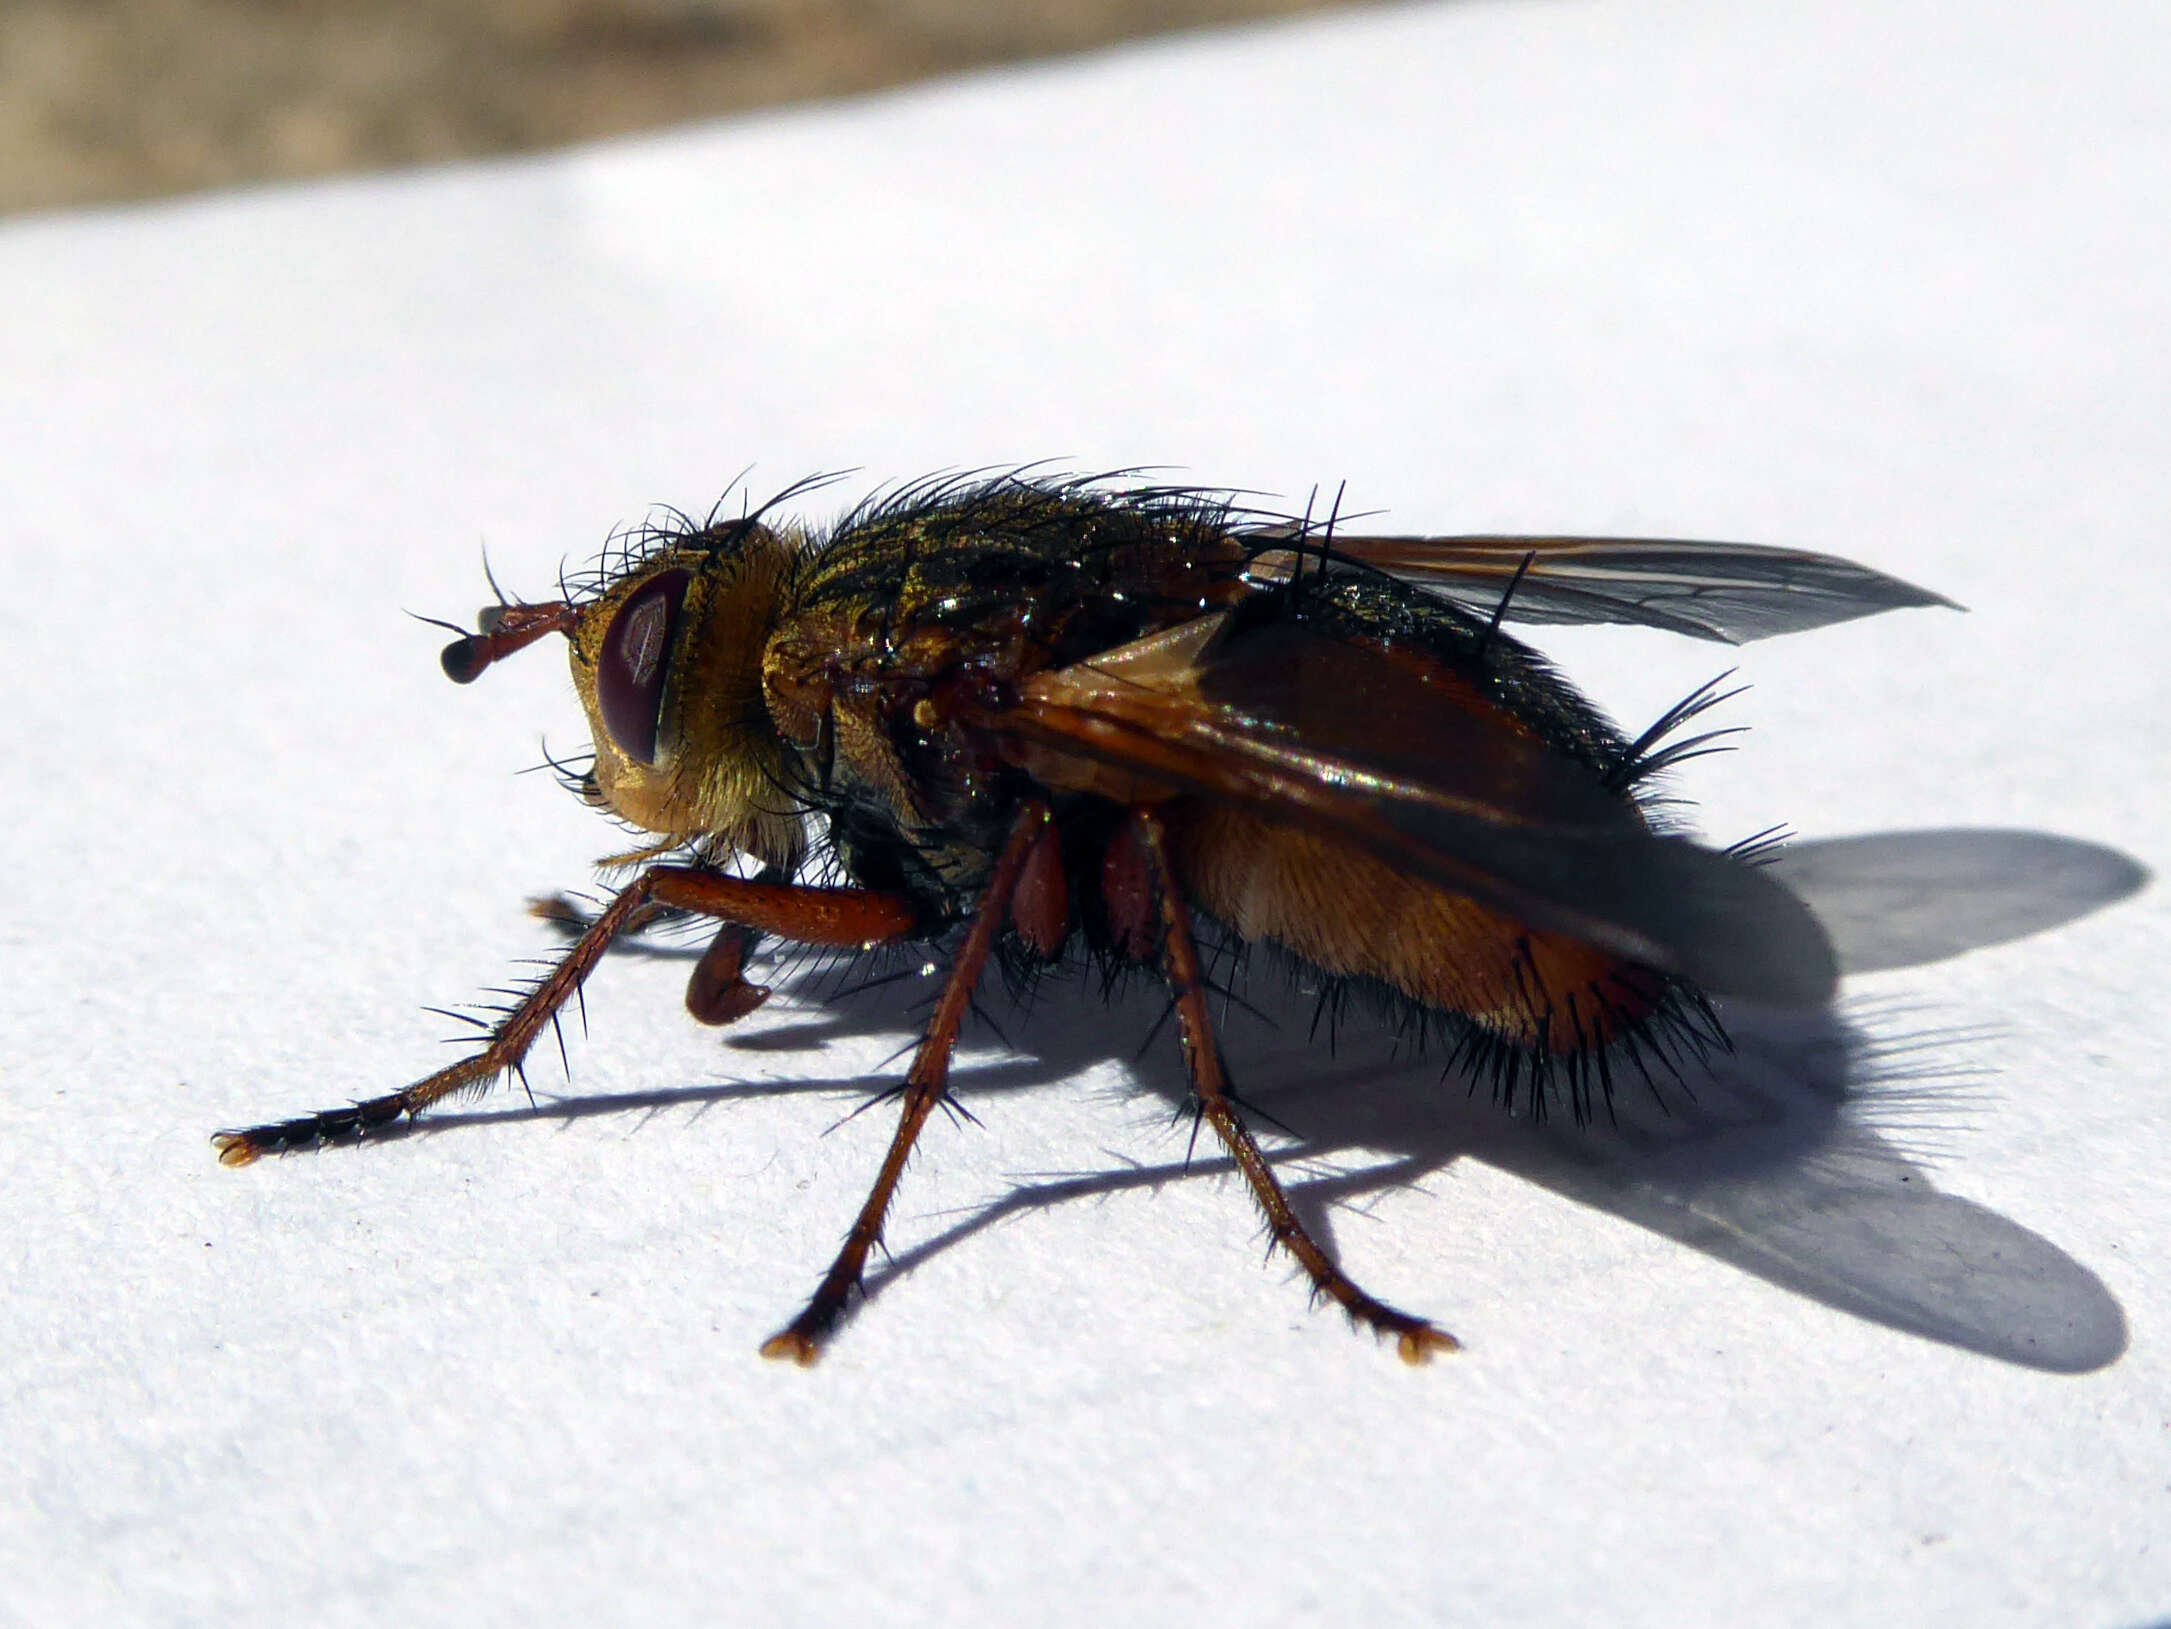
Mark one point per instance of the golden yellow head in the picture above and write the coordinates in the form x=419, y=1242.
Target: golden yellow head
x=667, y=661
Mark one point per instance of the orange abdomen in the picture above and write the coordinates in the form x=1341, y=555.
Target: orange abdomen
x=1352, y=915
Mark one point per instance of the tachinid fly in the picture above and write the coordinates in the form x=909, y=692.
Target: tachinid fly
x=1036, y=719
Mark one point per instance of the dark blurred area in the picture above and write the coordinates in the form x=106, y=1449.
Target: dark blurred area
x=115, y=99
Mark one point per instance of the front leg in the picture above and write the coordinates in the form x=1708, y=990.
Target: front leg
x=719, y=991
x=841, y=917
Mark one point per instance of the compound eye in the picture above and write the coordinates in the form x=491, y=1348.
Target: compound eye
x=636, y=660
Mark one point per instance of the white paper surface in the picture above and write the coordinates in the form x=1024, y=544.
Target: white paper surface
x=1885, y=279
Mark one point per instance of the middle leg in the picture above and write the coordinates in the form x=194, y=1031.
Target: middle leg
x=925, y=1086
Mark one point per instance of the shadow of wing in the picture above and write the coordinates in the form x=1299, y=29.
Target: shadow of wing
x=1901, y=899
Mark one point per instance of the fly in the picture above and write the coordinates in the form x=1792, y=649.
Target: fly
x=1037, y=720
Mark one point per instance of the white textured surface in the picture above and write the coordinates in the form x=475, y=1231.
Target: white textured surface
x=1885, y=278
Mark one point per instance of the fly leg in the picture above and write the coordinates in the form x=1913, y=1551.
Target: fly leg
x=569, y=918
x=925, y=1086
x=718, y=991
x=1415, y=1339
x=849, y=917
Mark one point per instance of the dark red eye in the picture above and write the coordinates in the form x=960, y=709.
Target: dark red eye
x=635, y=661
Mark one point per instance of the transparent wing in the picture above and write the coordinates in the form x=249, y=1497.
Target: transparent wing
x=1731, y=592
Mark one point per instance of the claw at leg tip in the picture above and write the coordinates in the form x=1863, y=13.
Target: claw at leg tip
x=236, y=1149
x=791, y=1347
x=1416, y=1346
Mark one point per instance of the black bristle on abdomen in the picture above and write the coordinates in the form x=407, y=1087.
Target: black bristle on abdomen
x=1664, y=1046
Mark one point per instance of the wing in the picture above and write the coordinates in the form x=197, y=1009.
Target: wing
x=1394, y=754
x=1732, y=592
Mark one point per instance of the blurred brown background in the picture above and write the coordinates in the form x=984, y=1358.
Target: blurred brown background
x=114, y=99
